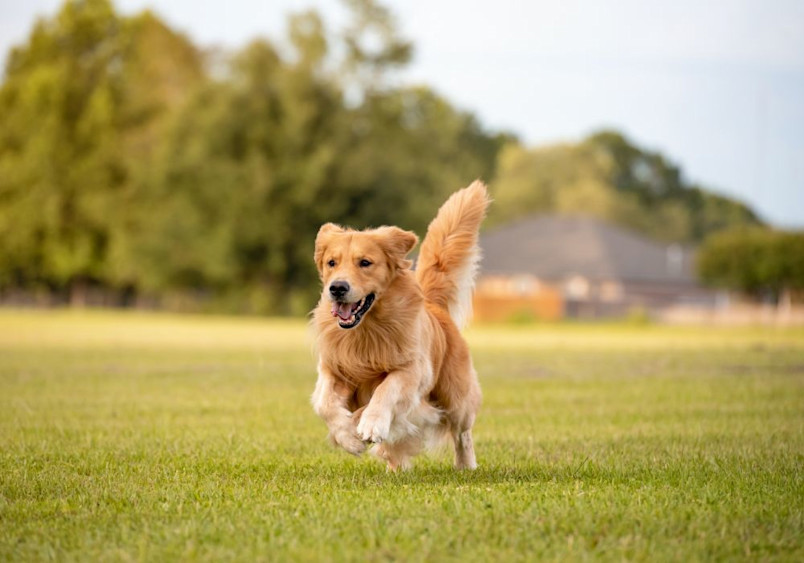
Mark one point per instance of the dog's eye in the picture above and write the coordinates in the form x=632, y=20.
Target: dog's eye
x=364, y=263
x=331, y=263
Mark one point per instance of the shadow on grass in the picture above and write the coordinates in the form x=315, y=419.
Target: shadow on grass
x=302, y=470
x=361, y=473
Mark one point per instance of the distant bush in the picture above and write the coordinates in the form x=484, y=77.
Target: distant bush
x=759, y=262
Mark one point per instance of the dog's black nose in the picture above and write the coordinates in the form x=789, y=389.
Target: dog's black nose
x=338, y=289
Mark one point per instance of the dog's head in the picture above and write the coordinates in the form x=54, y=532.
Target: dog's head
x=356, y=267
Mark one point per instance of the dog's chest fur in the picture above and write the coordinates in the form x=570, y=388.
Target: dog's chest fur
x=359, y=359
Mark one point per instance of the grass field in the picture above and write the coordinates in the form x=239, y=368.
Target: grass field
x=155, y=437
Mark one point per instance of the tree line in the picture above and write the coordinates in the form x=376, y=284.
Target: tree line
x=138, y=167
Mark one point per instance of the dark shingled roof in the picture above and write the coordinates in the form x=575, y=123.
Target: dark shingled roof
x=556, y=247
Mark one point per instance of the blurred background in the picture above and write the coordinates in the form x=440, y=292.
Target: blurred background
x=646, y=158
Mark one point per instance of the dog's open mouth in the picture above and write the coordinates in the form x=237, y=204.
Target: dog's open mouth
x=350, y=314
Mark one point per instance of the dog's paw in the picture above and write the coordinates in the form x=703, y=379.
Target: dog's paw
x=348, y=440
x=374, y=426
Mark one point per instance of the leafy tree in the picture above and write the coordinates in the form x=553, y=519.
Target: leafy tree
x=608, y=177
x=255, y=164
x=756, y=261
x=408, y=150
x=246, y=166
x=59, y=147
x=75, y=109
x=373, y=47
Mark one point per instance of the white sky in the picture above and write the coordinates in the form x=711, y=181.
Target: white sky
x=717, y=85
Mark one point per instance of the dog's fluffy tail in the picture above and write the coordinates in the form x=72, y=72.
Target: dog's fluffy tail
x=449, y=255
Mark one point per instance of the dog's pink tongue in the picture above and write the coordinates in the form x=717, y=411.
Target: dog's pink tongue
x=342, y=310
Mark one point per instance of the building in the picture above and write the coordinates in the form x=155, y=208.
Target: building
x=554, y=267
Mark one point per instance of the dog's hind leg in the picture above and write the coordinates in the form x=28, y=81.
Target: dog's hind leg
x=464, y=446
x=464, y=450
x=461, y=418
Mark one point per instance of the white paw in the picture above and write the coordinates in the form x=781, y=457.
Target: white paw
x=374, y=426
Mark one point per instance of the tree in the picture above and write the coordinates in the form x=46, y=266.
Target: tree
x=256, y=163
x=408, y=150
x=76, y=112
x=373, y=48
x=246, y=165
x=59, y=147
x=760, y=262
x=606, y=176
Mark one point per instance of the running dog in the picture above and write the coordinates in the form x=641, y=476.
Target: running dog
x=393, y=368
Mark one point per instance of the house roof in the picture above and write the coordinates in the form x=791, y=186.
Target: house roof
x=558, y=247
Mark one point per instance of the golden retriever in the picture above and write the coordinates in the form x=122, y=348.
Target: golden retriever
x=393, y=369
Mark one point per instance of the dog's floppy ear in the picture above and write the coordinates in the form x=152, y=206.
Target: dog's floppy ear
x=321, y=242
x=397, y=243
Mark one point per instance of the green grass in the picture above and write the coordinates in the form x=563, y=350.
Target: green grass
x=156, y=437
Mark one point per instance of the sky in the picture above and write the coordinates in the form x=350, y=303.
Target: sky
x=717, y=86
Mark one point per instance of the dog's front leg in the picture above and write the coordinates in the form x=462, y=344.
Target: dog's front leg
x=330, y=399
x=395, y=396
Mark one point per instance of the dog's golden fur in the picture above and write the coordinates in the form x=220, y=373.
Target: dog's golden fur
x=399, y=374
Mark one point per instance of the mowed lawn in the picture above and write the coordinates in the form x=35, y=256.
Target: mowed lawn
x=127, y=436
